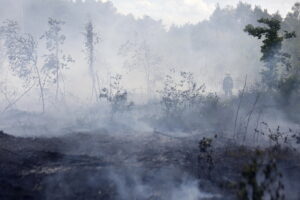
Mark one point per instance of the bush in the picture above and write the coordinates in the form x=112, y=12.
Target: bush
x=261, y=180
x=116, y=95
x=185, y=106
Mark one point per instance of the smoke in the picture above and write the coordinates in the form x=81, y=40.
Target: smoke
x=162, y=184
x=209, y=49
x=141, y=52
x=214, y=45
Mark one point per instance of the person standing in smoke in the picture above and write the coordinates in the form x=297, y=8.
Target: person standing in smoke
x=228, y=85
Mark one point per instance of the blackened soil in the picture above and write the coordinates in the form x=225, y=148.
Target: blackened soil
x=104, y=166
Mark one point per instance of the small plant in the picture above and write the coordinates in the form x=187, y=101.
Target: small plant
x=297, y=138
x=276, y=137
x=261, y=179
x=116, y=95
x=205, y=157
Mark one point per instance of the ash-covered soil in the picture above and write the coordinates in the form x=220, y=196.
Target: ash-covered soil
x=150, y=166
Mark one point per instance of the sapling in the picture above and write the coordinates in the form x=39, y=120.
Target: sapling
x=116, y=95
x=55, y=60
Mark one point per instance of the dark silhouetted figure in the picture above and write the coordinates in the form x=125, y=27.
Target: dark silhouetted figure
x=228, y=85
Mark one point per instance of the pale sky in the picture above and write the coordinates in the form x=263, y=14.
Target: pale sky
x=189, y=11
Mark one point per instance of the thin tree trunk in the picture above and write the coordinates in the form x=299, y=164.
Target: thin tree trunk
x=98, y=84
x=147, y=70
x=250, y=115
x=57, y=70
x=40, y=86
x=257, y=124
x=238, y=109
x=92, y=73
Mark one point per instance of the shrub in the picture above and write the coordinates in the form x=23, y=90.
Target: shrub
x=261, y=179
x=116, y=95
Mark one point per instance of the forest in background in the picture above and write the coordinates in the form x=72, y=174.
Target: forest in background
x=87, y=92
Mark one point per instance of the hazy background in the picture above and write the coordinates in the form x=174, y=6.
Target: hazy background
x=214, y=45
x=201, y=37
x=180, y=12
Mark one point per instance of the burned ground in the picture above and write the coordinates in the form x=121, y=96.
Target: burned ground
x=104, y=166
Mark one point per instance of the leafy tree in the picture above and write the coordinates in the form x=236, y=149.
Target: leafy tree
x=16, y=47
x=91, y=39
x=292, y=23
x=55, y=60
x=290, y=84
x=139, y=54
x=21, y=51
x=271, y=48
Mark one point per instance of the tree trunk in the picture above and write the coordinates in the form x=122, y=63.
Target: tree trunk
x=40, y=86
x=57, y=71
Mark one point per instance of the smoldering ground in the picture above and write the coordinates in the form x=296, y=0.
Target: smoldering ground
x=139, y=111
x=104, y=165
x=88, y=166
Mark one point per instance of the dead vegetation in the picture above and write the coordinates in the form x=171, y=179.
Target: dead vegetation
x=67, y=168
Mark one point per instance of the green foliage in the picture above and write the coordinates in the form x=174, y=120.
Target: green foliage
x=292, y=23
x=271, y=48
x=261, y=180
